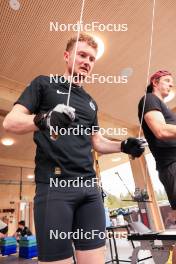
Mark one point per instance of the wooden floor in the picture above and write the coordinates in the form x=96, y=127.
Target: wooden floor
x=14, y=259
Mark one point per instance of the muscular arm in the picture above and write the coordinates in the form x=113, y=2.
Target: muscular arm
x=156, y=122
x=19, y=120
x=103, y=145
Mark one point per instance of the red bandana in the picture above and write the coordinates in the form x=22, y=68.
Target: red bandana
x=159, y=74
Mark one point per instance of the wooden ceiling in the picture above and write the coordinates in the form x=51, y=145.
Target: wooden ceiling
x=28, y=48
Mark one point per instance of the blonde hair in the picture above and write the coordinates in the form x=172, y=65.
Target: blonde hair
x=82, y=38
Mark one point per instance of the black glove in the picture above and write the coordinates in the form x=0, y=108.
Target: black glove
x=61, y=116
x=133, y=146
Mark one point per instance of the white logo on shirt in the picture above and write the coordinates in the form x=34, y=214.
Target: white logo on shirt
x=59, y=92
x=92, y=105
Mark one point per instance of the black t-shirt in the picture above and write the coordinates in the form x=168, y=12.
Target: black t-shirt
x=164, y=151
x=70, y=152
x=24, y=232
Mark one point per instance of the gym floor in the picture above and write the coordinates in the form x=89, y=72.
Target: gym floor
x=124, y=251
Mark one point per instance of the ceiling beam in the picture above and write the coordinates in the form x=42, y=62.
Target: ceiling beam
x=11, y=84
x=10, y=90
x=17, y=163
x=107, y=121
x=13, y=182
x=8, y=93
x=5, y=105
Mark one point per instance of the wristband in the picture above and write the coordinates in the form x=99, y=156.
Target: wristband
x=40, y=121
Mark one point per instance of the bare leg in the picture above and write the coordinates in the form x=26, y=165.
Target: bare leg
x=93, y=256
x=64, y=261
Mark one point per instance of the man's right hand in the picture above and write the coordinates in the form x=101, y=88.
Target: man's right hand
x=60, y=116
x=133, y=146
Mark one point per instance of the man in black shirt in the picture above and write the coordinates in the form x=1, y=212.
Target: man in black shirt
x=67, y=205
x=22, y=230
x=159, y=126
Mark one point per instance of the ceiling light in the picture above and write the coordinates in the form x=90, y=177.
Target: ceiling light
x=127, y=72
x=169, y=97
x=101, y=47
x=14, y=4
x=7, y=141
x=30, y=176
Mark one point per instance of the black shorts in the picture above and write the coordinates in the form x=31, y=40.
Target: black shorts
x=168, y=179
x=67, y=215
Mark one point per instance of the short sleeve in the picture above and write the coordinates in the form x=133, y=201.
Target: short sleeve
x=150, y=103
x=31, y=96
x=95, y=125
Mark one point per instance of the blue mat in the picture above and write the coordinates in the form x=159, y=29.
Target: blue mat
x=28, y=244
x=7, y=250
x=28, y=238
x=28, y=256
x=28, y=252
x=27, y=249
x=8, y=241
